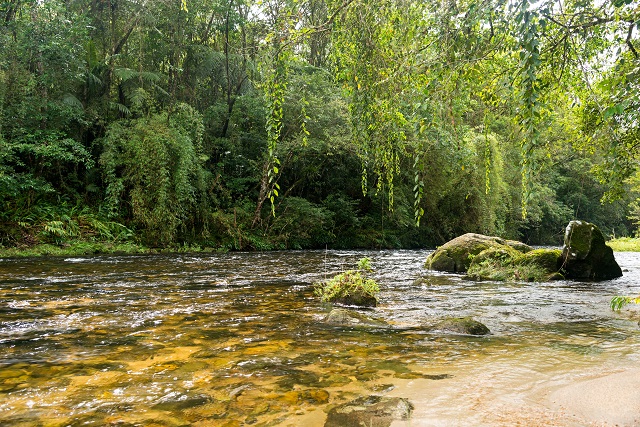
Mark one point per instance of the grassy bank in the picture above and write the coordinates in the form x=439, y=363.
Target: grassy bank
x=625, y=244
x=75, y=248
x=85, y=248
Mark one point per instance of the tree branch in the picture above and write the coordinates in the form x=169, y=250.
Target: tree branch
x=628, y=40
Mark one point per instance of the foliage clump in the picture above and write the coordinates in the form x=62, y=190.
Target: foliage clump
x=152, y=168
x=618, y=302
x=351, y=287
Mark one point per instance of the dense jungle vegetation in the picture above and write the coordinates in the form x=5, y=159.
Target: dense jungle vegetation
x=242, y=124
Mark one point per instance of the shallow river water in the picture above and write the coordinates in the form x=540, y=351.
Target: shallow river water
x=238, y=339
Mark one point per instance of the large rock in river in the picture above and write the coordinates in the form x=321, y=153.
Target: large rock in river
x=456, y=255
x=585, y=255
x=371, y=411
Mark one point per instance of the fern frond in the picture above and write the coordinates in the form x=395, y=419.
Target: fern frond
x=72, y=101
x=125, y=74
x=121, y=108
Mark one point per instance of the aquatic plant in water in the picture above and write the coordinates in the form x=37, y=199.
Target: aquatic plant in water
x=351, y=287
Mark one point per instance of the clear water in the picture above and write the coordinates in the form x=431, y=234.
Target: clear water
x=238, y=339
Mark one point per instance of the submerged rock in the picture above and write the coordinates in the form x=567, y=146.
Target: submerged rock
x=456, y=255
x=585, y=254
x=462, y=326
x=344, y=317
x=371, y=411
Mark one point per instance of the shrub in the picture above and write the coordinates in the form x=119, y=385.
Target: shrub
x=151, y=167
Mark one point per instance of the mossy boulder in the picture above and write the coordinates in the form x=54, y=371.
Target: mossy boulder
x=370, y=411
x=352, y=318
x=497, y=254
x=585, y=255
x=462, y=326
x=548, y=259
x=507, y=264
x=456, y=255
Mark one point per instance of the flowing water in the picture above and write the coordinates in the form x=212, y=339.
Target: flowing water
x=238, y=339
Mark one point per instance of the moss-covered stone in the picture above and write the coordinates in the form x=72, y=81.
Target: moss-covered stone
x=548, y=259
x=499, y=255
x=507, y=264
x=518, y=246
x=585, y=254
x=456, y=255
x=350, y=288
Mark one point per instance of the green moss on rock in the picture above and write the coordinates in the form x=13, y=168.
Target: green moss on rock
x=507, y=264
x=349, y=288
x=548, y=259
x=499, y=255
x=456, y=255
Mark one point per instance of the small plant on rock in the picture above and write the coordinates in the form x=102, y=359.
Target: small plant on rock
x=351, y=287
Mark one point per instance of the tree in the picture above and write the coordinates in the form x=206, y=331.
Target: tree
x=154, y=174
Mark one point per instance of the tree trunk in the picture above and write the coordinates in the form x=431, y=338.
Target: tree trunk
x=262, y=196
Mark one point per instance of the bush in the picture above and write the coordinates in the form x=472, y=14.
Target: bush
x=154, y=173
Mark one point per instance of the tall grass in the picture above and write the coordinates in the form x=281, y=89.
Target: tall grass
x=625, y=244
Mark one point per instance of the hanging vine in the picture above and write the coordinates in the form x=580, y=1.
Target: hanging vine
x=529, y=111
x=275, y=70
x=373, y=52
x=275, y=90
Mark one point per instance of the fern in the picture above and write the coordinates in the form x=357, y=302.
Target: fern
x=72, y=101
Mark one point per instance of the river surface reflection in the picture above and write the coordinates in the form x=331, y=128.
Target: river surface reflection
x=238, y=339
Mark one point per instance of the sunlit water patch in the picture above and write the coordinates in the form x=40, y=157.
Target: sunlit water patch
x=239, y=339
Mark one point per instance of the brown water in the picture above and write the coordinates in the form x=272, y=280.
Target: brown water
x=238, y=339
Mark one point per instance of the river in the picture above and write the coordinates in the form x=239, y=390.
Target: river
x=238, y=339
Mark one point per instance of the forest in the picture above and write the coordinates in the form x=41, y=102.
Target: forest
x=288, y=124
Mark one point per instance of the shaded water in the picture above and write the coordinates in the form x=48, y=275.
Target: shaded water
x=238, y=339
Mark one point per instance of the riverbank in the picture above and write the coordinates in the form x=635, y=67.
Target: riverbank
x=87, y=248
x=606, y=399
x=84, y=248
x=78, y=248
x=625, y=244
